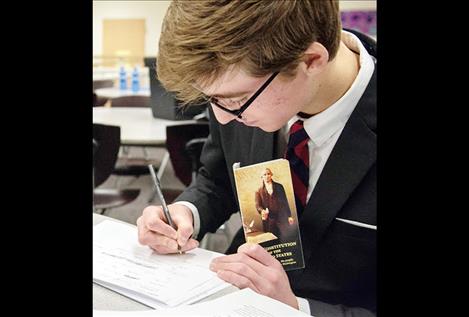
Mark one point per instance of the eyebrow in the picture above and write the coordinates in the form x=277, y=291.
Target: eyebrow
x=232, y=94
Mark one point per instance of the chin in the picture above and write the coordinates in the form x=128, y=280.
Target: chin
x=267, y=130
x=270, y=128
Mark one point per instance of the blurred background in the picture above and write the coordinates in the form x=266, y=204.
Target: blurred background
x=124, y=32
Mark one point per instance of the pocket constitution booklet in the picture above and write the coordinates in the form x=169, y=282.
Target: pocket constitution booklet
x=268, y=210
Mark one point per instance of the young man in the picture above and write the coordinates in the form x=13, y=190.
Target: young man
x=268, y=67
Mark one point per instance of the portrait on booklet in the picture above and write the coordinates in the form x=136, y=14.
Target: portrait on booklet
x=268, y=211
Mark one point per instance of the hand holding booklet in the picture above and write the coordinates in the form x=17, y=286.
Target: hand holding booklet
x=122, y=264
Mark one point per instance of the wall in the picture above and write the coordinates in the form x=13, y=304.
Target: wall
x=152, y=11
x=360, y=16
x=346, y=5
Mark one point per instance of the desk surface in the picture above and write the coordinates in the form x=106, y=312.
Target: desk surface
x=114, y=92
x=106, y=299
x=138, y=126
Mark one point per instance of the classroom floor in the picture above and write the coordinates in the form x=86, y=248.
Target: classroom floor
x=218, y=241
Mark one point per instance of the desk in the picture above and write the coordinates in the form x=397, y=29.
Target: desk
x=113, y=92
x=106, y=299
x=138, y=126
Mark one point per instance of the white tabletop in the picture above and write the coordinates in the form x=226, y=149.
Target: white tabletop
x=138, y=126
x=114, y=92
x=106, y=299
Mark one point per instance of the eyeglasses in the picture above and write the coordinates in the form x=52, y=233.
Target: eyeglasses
x=239, y=111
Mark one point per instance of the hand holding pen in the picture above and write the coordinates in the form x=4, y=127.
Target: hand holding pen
x=164, y=232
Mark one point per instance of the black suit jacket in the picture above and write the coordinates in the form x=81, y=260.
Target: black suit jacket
x=339, y=278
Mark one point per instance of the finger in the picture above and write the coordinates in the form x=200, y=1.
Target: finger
x=263, y=278
x=184, y=232
x=259, y=254
x=237, y=280
x=160, y=249
x=191, y=244
x=161, y=240
x=145, y=236
x=154, y=222
x=241, y=258
x=165, y=249
x=141, y=230
x=240, y=269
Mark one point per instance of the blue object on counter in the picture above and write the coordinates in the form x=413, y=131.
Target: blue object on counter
x=122, y=79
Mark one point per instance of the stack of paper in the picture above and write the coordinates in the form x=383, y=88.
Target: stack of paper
x=244, y=303
x=122, y=264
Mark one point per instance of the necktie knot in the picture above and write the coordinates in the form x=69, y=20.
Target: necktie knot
x=297, y=134
x=296, y=126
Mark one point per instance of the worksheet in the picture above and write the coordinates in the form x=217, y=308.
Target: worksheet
x=136, y=271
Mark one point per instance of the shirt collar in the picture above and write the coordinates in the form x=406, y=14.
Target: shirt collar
x=322, y=126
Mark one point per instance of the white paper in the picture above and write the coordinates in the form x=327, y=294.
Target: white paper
x=122, y=264
x=244, y=303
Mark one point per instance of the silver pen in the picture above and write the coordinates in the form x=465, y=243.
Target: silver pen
x=163, y=201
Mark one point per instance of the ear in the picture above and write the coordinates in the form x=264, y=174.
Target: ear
x=315, y=59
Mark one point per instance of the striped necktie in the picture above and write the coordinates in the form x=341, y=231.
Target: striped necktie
x=298, y=155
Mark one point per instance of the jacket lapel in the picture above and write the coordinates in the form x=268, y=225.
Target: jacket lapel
x=353, y=155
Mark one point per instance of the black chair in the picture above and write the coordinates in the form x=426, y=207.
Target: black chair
x=193, y=149
x=164, y=104
x=184, y=144
x=106, y=144
x=99, y=101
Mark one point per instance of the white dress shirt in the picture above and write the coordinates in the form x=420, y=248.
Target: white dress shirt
x=323, y=128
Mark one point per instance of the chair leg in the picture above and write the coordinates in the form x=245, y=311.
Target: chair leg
x=125, y=150
x=163, y=165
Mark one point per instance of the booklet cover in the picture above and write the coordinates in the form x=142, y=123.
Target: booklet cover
x=268, y=211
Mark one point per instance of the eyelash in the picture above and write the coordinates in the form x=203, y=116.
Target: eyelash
x=237, y=102
x=232, y=103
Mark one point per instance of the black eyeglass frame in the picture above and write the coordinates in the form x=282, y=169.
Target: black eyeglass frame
x=239, y=111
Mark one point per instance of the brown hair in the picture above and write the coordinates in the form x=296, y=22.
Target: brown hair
x=201, y=39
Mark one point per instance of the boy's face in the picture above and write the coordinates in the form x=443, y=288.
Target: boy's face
x=272, y=109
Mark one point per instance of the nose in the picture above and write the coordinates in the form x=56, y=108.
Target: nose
x=222, y=116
